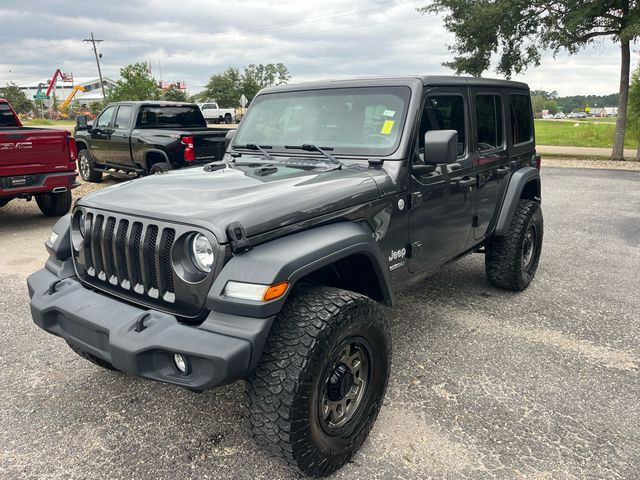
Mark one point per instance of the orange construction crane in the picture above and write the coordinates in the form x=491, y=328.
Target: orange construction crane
x=76, y=89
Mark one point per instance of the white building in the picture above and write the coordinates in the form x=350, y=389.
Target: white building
x=63, y=89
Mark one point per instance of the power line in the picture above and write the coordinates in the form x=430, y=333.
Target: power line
x=93, y=42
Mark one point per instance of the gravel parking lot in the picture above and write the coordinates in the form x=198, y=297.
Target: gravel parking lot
x=485, y=383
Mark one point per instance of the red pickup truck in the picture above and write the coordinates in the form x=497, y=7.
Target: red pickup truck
x=36, y=163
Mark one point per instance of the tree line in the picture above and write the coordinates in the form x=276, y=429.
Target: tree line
x=543, y=100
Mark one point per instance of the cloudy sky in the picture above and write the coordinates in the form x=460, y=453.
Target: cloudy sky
x=316, y=39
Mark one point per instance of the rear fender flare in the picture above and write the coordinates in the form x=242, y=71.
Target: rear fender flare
x=291, y=258
x=517, y=184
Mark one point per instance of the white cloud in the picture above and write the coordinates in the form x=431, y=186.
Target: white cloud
x=196, y=38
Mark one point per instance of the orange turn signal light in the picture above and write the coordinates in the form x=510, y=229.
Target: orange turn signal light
x=275, y=291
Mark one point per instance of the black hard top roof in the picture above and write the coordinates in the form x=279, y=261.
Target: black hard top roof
x=425, y=80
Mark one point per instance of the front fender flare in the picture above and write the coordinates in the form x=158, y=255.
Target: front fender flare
x=291, y=258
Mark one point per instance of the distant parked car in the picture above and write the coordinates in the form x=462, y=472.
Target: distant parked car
x=547, y=116
x=559, y=115
x=581, y=115
x=572, y=115
x=212, y=113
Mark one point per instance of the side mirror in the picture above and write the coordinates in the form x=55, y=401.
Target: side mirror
x=82, y=122
x=440, y=146
x=228, y=137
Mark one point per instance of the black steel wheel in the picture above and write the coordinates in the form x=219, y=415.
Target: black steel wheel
x=322, y=378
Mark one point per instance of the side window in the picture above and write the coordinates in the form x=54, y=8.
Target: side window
x=207, y=106
x=521, y=118
x=123, y=118
x=105, y=119
x=444, y=112
x=489, y=134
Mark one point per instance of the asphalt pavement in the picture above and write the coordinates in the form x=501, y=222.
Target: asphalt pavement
x=485, y=383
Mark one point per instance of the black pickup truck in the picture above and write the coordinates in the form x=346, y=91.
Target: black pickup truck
x=145, y=138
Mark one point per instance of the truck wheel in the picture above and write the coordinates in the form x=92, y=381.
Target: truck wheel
x=54, y=204
x=159, y=168
x=228, y=119
x=92, y=358
x=4, y=201
x=511, y=261
x=85, y=166
x=320, y=383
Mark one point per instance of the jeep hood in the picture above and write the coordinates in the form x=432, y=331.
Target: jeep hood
x=259, y=201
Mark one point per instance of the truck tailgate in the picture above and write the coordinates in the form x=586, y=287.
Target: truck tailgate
x=209, y=144
x=34, y=150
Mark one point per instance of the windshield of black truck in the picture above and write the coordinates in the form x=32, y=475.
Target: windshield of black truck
x=164, y=116
x=6, y=116
x=351, y=121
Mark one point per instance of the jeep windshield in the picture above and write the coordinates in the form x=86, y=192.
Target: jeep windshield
x=171, y=116
x=349, y=121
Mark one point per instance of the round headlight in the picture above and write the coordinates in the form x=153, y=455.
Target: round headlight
x=202, y=252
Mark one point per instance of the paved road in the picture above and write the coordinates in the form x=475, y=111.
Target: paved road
x=582, y=151
x=486, y=384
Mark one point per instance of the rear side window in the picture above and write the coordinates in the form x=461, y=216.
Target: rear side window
x=6, y=116
x=489, y=134
x=521, y=118
x=170, y=116
x=123, y=118
x=444, y=112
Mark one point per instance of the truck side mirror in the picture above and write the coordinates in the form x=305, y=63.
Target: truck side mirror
x=228, y=137
x=440, y=146
x=82, y=122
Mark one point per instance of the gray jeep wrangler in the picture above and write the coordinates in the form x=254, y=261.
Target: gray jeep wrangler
x=272, y=265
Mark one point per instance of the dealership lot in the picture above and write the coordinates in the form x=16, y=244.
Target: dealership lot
x=485, y=383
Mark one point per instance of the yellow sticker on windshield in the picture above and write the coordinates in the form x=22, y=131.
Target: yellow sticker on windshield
x=386, y=127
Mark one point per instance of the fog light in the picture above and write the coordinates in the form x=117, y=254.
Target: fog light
x=181, y=363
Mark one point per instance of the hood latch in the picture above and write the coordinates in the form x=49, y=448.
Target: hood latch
x=238, y=237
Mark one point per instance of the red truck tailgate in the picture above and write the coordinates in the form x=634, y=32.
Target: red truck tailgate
x=26, y=150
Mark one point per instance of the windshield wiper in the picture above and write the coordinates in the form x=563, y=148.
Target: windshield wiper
x=314, y=148
x=259, y=148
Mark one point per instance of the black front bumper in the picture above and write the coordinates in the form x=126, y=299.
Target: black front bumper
x=222, y=349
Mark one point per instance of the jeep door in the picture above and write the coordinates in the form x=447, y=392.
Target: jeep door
x=490, y=157
x=120, y=150
x=99, y=142
x=441, y=200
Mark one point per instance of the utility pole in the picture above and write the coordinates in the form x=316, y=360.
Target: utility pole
x=93, y=42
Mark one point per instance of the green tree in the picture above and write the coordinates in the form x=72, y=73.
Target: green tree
x=224, y=88
x=96, y=107
x=516, y=31
x=257, y=77
x=227, y=87
x=16, y=97
x=174, y=94
x=634, y=109
x=136, y=83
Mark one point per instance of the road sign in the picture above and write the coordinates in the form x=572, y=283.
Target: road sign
x=41, y=96
x=587, y=109
x=243, y=101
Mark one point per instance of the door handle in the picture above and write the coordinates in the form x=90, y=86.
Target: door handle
x=465, y=182
x=502, y=171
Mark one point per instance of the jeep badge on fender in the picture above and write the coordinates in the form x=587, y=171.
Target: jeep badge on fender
x=270, y=265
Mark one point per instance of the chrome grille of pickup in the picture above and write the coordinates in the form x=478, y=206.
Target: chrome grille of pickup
x=130, y=255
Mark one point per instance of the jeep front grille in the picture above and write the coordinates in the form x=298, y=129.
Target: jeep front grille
x=131, y=256
x=135, y=258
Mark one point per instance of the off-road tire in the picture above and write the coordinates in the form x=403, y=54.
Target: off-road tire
x=92, y=358
x=505, y=256
x=86, y=167
x=159, y=167
x=228, y=119
x=54, y=204
x=4, y=201
x=285, y=391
